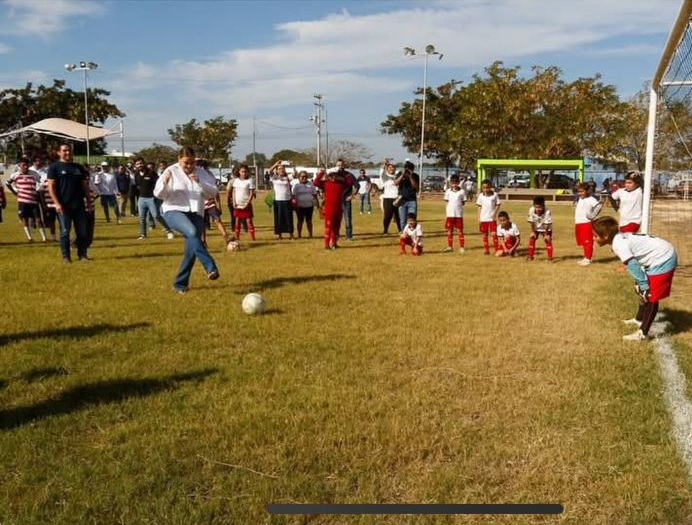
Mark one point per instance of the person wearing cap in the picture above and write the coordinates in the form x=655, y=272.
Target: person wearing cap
x=408, y=183
x=107, y=188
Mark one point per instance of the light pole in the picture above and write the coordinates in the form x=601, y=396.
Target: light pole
x=84, y=66
x=429, y=50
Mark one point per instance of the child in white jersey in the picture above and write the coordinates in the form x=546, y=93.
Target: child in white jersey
x=650, y=261
x=628, y=201
x=509, y=235
x=541, y=221
x=586, y=209
x=411, y=235
x=488, y=203
x=455, y=198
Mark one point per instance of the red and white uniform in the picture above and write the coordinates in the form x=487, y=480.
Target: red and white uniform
x=334, y=186
x=488, y=205
x=584, y=212
x=508, y=236
x=630, y=210
x=242, y=194
x=411, y=236
x=455, y=203
x=542, y=223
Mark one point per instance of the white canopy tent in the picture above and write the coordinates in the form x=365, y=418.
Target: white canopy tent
x=66, y=129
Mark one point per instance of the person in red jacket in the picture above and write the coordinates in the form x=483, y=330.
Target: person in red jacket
x=334, y=186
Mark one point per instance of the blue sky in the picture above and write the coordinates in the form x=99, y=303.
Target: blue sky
x=166, y=62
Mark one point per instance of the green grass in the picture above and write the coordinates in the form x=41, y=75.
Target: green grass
x=373, y=378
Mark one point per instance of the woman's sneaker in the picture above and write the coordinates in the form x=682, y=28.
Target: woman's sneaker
x=636, y=336
x=632, y=322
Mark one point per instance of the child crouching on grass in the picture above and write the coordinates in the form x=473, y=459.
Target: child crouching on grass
x=650, y=261
x=411, y=235
x=509, y=236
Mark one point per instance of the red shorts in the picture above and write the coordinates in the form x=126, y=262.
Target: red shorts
x=584, y=234
x=243, y=213
x=659, y=286
x=632, y=227
x=454, y=223
x=488, y=227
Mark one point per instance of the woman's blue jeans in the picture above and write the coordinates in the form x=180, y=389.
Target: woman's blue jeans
x=189, y=225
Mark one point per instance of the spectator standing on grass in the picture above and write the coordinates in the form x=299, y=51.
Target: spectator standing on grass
x=455, y=198
x=107, y=188
x=541, y=221
x=23, y=184
x=183, y=188
x=347, y=196
x=3, y=201
x=305, y=194
x=390, y=192
x=508, y=236
x=122, y=181
x=146, y=179
x=411, y=235
x=586, y=210
x=650, y=261
x=68, y=185
x=283, y=213
x=408, y=183
x=488, y=203
x=364, y=187
x=334, y=186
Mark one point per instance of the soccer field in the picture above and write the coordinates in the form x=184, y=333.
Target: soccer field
x=372, y=378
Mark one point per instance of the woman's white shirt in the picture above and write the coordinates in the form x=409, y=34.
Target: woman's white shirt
x=181, y=193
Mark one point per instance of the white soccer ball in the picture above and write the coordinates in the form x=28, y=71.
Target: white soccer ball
x=233, y=246
x=254, y=304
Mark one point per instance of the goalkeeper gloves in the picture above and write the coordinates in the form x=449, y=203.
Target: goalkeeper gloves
x=643, y=295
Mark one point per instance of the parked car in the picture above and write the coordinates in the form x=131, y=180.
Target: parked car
x=683, y=189
x=519, y=182
x=433, y=183
x=558, y=181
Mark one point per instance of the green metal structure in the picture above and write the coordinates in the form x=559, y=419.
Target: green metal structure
x=531, y=165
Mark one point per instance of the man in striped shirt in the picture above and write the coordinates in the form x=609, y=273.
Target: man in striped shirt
x=23, y=184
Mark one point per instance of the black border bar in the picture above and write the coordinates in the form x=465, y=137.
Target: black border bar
x=414, y=508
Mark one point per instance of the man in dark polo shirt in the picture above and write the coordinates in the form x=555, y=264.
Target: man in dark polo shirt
x=68, y=185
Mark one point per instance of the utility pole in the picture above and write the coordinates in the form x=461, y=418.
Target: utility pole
x=317, y=119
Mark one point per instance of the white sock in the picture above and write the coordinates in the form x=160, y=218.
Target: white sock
x=42, y=231
x=27, y=232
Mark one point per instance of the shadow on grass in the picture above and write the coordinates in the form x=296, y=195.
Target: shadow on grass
x=680, y=321
x=277, y=282
x=3, y=384
x=39, y=374
x=99, y=393
x=73, y=331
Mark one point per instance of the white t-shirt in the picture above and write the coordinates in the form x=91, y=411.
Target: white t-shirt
x=363, y=185
x=415, y=234
x=242, y=191
x=305, y=193
x=282, y=189
x=631, y=204
x=389, y=189
x=647, y=250
x=586, y=210
x=541, y=222
x=488, y=205
x=504, y=233
x=455, y=202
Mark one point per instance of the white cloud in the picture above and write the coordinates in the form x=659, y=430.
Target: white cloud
x=4, y=49
x=44, y=18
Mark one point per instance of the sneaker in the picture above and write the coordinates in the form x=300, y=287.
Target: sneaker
x=462, y=251
x=529, y=259
x=67, y=260
x=213, y=275
x=447, y=249
x=180, y=290
x=632, y=322
x=636, y=336
x=84, y=259
x=169, y=235
x=584, y=262
x=141, y=237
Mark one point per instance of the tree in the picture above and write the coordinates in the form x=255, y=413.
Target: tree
x=212, y=140
x=157, y=153
x=353, y=153
x=501, y=115
x=297, y=158
x=24, y=106
x=259, y=158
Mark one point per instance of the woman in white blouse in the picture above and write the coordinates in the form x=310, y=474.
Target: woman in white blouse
x=283, y=214
x=183, y=188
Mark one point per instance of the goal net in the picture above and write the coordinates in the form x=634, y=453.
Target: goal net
x=668, y=171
